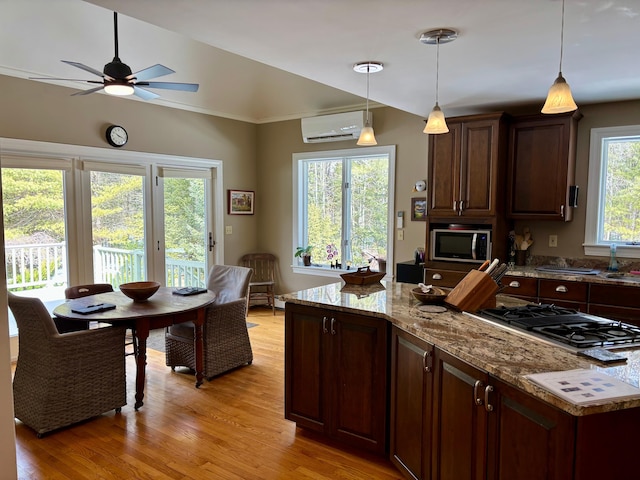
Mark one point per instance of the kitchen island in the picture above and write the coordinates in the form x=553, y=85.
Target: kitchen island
x=463, y=362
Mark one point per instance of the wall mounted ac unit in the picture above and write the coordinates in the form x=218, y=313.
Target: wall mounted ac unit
x=333, y=128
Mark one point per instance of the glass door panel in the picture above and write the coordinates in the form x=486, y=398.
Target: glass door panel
x=35, y=234
x=186, y=237
x=118, y=227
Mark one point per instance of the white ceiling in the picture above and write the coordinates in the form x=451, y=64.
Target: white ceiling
x=268, y=60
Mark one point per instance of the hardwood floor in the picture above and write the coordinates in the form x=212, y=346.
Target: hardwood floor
x=230, y=428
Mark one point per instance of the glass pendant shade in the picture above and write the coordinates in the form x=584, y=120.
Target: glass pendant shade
x=366, y=136
x=559, y=98
x=119, y=89
x=436, y=122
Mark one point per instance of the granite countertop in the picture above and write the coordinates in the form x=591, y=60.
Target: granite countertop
x=503, y=353
x=603, y=277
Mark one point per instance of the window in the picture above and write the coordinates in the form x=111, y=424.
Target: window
x=613, y=204
x=343, y=207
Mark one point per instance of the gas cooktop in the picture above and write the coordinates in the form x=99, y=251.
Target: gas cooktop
x=565, y=326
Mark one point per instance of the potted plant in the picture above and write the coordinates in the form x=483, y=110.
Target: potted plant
x=305, y=254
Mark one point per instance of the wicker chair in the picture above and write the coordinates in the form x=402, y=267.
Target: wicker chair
x=62, y=379
x=225, y=334
x=262, y=286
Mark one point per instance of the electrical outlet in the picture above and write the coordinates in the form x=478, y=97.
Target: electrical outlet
x=228, y=229
x=400, y=234
x=553, y=240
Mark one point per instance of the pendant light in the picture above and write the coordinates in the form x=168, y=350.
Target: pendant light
x=436, y=123
x=367, y=136
x=559, y=98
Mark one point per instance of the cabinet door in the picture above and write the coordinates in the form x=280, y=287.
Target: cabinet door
x=479, y=164
x=358, y=379
x=528, y=439
x=459, y=441
x=444, y=172
x=541, y=166
x=305, y=371
x=617, y=302
x=411, y=381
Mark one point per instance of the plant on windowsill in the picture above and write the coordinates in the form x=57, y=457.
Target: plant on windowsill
x=305, y=254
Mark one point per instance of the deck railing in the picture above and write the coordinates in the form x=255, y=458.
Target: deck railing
x=35, y=266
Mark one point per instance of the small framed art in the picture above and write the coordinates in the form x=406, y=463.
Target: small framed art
x=419, y=209
x=241, y=202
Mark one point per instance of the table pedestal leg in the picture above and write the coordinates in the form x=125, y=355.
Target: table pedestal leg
x=142, y=333
x=199, y=346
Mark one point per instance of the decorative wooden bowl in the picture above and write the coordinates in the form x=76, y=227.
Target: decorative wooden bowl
x=363, y=276
x=139, y=291
x=436, y=295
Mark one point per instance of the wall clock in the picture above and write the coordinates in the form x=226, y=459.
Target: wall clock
x=117, y=136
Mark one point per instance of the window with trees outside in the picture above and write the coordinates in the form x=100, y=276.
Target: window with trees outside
x=343, y=207
x=613, y=203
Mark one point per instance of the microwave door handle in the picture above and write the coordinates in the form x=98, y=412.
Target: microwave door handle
x=474, y=240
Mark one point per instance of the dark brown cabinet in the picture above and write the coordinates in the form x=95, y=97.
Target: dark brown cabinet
x=617, y=302
x=525, y=288
x=564, y=293
x=336, y=375
x=485, y=428
x=466, y=167
x=411, y=385
x=542, y=155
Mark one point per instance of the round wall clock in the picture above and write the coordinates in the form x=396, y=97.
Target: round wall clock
x=117, y=136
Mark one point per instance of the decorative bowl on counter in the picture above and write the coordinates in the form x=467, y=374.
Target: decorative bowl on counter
x=435, y=295
x=139, y=291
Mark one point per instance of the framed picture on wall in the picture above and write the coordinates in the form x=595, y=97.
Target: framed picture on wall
x=241, y=202
x=419, y=209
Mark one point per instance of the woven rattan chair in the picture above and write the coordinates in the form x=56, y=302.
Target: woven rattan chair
x=62, y=379
x=225, y=334
x=262, y=286
x=79, y=291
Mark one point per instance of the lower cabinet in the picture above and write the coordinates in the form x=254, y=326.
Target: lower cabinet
x=450, y=420
x=336, y=375
x=411, y=391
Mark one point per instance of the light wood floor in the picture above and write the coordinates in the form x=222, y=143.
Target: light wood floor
x=230, y=428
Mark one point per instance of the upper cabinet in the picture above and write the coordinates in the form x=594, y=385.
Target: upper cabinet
x=542, y=156
x=467, y=167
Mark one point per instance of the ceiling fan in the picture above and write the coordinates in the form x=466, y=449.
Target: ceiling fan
x=117, y=78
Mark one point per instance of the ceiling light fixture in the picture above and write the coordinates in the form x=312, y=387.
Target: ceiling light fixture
x=436, y=122
x=559, y=98
x=366, y=134
x=119, y=88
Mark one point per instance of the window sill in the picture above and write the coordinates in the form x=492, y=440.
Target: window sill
x=622, y=251
x=319, y=271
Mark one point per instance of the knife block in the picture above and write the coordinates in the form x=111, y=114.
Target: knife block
x=475, y=291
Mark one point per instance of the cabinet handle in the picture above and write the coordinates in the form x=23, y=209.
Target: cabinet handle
x=324, y=325
x=455, y=206
x=476, y=387
x=333, y=326
x=562, y=211
x=436, y=276
x=514, y=284
x=425, y=363
x=461, y=207
x=561, y=289
x=487, y=406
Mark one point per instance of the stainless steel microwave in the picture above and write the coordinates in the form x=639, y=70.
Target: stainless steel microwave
x=459, y=245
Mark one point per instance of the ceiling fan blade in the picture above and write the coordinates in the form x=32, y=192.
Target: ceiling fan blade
x=66, y=79
x=84, y=67
x=87, y=92
x=153, y=72
x=144, y=94
x=186, y=87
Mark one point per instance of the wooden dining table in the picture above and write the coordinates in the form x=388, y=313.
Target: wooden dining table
x=162, y=309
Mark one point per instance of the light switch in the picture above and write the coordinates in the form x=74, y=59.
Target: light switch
x=228, y=229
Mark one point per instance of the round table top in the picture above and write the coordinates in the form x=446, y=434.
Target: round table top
x=163, y=302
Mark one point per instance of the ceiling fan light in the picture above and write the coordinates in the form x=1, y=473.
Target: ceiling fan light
x=436, y=122
x=559, y=98
x=118, y=89
x=367, y=136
